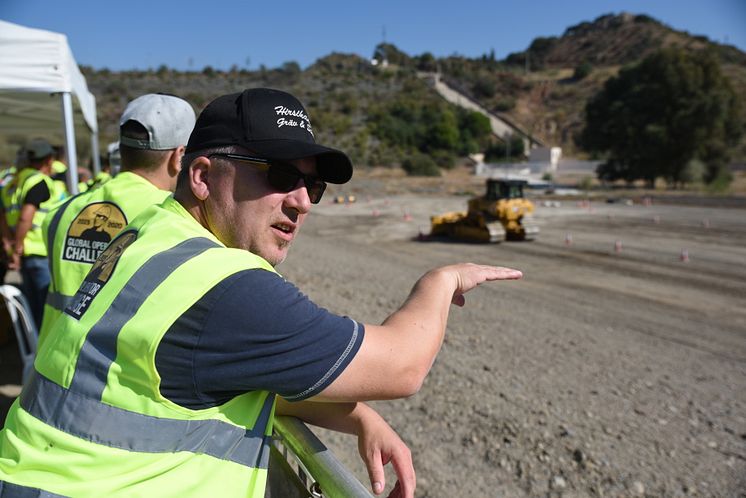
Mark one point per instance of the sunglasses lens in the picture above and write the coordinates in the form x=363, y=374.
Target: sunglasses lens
x=315, y=191
x=282, y=180
x=285, y=180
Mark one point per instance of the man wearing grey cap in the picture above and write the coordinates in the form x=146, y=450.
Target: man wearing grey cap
x=154, y=130
x=26, y=199
x=164, y=376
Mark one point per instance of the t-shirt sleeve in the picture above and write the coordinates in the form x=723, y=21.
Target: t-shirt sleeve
x=37, y=194
x=254, y=331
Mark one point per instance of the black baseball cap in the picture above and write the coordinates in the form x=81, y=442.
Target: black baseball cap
x=271, y=124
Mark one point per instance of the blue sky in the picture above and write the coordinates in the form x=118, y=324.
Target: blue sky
x=191, y=35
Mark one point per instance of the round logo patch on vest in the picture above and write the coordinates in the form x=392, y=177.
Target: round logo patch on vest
x=99, y=275
x=92, y=230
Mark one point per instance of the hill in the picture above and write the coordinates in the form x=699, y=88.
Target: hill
x=545, y=88
x=387, y=115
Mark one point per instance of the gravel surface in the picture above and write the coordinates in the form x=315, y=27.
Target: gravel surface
x=616, y=367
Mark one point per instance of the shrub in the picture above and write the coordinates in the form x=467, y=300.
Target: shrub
x=694, y=171
x=505, y=104
x=444, y=159
x=585, y=183
x=721, y=182
x=420, y=165
x=582, y=71
x=483, y=88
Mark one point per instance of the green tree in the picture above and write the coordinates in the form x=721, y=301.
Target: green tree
x=442, y=132
x=654, y=118
x=510, y=150
x=427, y=62
x=476, y=131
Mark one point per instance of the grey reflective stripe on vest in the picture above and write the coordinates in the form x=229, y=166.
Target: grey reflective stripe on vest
x=58, y=300
x=102, y=423
x=10, y=490
x=100, y=347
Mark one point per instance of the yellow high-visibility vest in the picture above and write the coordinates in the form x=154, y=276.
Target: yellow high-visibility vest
x=91, y=421
x=76, y=232
x=13, y=194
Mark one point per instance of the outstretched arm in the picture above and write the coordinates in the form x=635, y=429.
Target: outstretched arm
x=377, y=442
x=395, y=356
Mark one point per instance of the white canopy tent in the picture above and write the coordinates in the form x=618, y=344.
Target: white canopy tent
x=43, y=93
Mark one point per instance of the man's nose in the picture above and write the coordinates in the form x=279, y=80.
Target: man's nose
x=298, y=198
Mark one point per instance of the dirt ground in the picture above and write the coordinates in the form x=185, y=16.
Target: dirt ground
x=615, y=368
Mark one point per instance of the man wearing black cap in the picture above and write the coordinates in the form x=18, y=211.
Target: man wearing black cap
x=176, y=361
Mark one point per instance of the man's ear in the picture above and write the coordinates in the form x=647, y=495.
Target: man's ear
x=174, y=162
x=199, y=177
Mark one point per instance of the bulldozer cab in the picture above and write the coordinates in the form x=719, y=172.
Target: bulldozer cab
x=504, y=189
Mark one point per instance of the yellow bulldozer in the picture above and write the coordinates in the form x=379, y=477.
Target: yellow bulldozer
x=502, y=213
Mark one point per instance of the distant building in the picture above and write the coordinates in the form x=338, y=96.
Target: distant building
x=544, y=159
x=384, y=63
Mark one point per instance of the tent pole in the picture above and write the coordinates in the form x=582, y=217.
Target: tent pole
x=72, y=153
x=95, y=154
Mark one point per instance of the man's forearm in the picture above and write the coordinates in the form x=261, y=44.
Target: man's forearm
x=25, y=221
x=377, y=442
x=19, y=237
x=420, y=323
x=340, y=417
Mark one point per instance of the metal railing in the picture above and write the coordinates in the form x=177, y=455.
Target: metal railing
x=23, y=326
x=302, y=466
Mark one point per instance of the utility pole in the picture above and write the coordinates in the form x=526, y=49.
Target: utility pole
x=507, y=154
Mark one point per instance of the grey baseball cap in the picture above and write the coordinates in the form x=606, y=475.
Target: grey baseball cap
x=39, y=148
x=168, y=119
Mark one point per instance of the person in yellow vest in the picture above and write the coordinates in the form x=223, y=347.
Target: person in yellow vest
x=85, y=178
x=6, y=176
x=59, y=170
x=102, y=176
x=154, y=130
x=183, y=343
x=59, y=165
x=26, y=200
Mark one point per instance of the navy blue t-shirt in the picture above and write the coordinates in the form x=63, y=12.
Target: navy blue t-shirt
x=253, y=331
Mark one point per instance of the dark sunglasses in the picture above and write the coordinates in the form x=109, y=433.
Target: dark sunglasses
x=282, y=176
